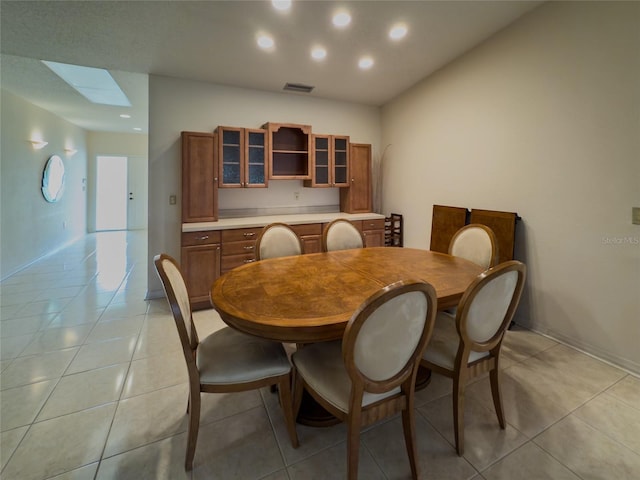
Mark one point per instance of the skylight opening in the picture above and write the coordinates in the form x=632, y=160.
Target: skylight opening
x=95, y=84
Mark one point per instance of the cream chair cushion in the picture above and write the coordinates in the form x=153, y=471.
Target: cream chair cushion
x=444, y=343
x=489, y=307
x=384, y=345
x=227, y=357
x=343, y=235
x=322, y=367
x=473, y=244
x=279, y=241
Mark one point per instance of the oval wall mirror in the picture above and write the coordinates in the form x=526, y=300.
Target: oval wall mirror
x=53, y=179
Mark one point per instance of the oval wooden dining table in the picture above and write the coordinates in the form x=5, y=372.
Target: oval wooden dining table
x=310, y=298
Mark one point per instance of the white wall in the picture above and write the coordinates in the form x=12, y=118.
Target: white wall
x=544, y=120
x=30, y=226
x=177, y=105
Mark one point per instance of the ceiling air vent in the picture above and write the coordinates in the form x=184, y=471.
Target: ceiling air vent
x=298, y=87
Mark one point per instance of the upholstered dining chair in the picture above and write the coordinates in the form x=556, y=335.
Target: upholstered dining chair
x=476, y=243
x=370, y=374
x=278, y=240
x=470, y=345
x=341, y=234
x=225, y=361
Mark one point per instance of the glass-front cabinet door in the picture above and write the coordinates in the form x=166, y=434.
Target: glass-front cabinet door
x=242, y=157
x=256, y=158
x=330, y=159
x=340, y=161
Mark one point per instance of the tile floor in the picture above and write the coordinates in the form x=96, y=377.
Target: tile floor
x=93, y=385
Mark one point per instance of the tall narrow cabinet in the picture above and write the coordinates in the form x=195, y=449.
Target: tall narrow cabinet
x=199, y=178
x=357, y=197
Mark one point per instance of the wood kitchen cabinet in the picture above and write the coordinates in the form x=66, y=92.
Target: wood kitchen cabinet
x=329, y=161
x=373, y=232
x=357, y=197
x=288, y=151
x=200, y=265
x=238, y=247
x=242, y=157
x=311, y=236
x=199, y=178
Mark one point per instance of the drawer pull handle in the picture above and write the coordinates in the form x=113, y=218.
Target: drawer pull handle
x=204, y=237
x=250, y=260
x=248, y=247
x=249, y=234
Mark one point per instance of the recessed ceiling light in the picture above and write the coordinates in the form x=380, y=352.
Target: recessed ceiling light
x=265, y=41
x=398, y=31
x=318, y=53
x=125, y=115
x=365, y=63
x=281, y=4
x=341, y=19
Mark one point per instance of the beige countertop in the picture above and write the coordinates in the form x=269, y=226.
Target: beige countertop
x=290, y=219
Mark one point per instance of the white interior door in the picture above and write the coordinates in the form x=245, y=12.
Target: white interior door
x=137, y=192
x=111, y=193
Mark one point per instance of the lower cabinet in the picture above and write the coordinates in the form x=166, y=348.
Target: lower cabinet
x=238, y=247
x=311, y=236
x=200, y=264
x=373, y=231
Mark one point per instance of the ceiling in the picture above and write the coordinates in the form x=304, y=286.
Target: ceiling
x=215, y=41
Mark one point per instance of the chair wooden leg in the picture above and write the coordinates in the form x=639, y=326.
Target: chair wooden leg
x=286, y=402
x=298, y=390
x=458, y=413
x=353, y=446
x=408, y=425
x=192, y=431
x=494, y=376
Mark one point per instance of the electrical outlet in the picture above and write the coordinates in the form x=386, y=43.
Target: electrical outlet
x=172, y=199
x=296, y=195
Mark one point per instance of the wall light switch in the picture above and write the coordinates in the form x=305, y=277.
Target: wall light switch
x=172, y=199
x=635, y=215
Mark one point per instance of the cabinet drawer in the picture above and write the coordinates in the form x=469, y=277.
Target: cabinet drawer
x=230, y=262
x=200, y=238
x=238, y=234
x=308, y=229
x=375, y=224
x=235, y=248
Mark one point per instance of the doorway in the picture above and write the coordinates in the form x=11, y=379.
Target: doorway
x=121, y=193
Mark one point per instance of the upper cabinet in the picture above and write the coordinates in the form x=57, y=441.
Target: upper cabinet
x=330, y=161
x=288, y=151
x=199, y=178
x=242, y=157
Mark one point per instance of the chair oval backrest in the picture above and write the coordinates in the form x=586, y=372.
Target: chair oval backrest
x=386, y=336
x=277, y=240
x=487, y=307
x=476, y=243
x=176, y=291
x=341, y=234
